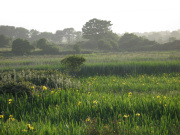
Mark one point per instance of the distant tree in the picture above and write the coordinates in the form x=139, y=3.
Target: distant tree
x=47, y=48
x=104, y=45
x=21, y=33
x=73, y=63
x=78, y=36
x=175, y=34
x=171, y=39
x=109, y=42
x=96, y=29
x=58, y=37
x=42, y=43
x=4, y=41
x=47, y=35
x=20, y=47
x=130, y=41
x=34, y=35
x=69, y=34
x=8, y=31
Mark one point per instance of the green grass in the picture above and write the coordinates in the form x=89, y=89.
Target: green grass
x=123, y=93
x=66, y=112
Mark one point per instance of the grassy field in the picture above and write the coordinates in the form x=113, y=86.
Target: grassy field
x=114, y=93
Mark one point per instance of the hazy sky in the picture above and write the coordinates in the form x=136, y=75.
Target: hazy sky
x=125, y=15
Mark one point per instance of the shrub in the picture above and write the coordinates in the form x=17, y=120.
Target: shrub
x=47, y=48
x=16, y=88
x=73, y=63
x=104, y=45
x=21, y=47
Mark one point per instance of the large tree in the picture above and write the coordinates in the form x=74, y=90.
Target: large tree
x=4, y=41
x=69, y=34
x=58, y=36
x=96, y=29
x=21, y=33
x=20, y=46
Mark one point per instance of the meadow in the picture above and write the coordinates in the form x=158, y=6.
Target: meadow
x=114, y=93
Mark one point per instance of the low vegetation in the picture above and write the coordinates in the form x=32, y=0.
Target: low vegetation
x=113, y=93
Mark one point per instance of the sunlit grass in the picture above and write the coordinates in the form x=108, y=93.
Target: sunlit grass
x=73, y=112
x=123, y=93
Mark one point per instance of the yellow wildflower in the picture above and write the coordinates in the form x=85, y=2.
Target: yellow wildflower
x=158, y=96
x=1, y=116
x=31, y=128
x=126, y=116
x=87, y=120
x=89, y=93
x=59, y=89
x=79, y=103
x=32, y=87
x=52, y=92
x=10, y=100
x=137, y=114
x=130, y=93
x=29, y=125
x=10, y=116
x=164, y=97
x=94, y=102
x=44, y=88
x=123, y=83
x=11, y=119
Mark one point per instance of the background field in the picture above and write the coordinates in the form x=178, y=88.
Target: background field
x=114, y=93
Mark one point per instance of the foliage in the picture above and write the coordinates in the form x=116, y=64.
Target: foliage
x=96, y=29
x=69, y=34
x=174, y=45
x=4, y=41
x=42, y=43
x=47, y=48
x=130, y=41
x=73, y=63
x=90, y=44
x=20, y=47
x=104, y=45
x=109, y=42
x=16, y=88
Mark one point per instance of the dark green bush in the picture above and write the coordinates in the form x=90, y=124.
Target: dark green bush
x=16, y=88
x=73, y=63
x=21, y=47
x=47, y=48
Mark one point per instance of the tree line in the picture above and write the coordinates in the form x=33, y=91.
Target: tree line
x=95, y=34
x=68, y=35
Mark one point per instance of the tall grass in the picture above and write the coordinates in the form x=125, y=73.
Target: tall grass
x=124, y=93
x=74, y=112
